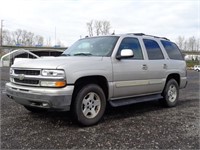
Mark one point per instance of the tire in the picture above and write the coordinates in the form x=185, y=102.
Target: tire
x=35, y=110
x=89, y=105
x=170, y=93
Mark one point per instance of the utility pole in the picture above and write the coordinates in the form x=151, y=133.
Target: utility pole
x=2, y=32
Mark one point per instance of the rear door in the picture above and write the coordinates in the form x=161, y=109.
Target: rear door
x=157, y=66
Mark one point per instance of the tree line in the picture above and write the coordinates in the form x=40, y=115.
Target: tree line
x=102, y=27
x=21, y=37
x=188, y=44
x=98, y=27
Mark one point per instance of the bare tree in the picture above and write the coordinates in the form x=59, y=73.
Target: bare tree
x=185, y=46
x=105, y=27
x=7, y=39
x=30, y=38
x=180, y=42
x=197, y=44
x=24, y=38
x=90, y=28
x=191, y=43
x=98, y=27
x=16, y=36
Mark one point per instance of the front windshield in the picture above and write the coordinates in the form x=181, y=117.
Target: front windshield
x=95, y=46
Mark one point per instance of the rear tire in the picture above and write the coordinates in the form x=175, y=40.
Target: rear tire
x=35, y=110
x=170, y=93
x=89, y=105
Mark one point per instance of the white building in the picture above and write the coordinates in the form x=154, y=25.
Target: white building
x=192, y=57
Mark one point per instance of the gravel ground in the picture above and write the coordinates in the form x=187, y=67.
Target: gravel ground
x=139, y=126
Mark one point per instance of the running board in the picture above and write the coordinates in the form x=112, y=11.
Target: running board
x=133, y=100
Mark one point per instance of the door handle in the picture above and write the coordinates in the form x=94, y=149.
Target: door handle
x=144, y=67
x=164, y=66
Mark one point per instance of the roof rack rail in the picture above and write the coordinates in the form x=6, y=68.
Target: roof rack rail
x=165, y=38
x=139, y=34
x=142, y=34
x=158, y=37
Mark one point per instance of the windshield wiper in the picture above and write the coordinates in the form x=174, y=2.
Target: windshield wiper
x=82, y=54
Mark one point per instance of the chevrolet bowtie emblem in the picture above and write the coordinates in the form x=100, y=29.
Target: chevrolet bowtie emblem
x=21, y=76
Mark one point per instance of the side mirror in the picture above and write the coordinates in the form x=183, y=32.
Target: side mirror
x=125, y=53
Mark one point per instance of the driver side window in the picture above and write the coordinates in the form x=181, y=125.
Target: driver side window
x=134, y=45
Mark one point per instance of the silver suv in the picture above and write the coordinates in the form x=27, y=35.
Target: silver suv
x=119, y=69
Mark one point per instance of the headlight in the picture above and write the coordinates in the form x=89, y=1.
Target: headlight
x=53, y=83
x=53, y=73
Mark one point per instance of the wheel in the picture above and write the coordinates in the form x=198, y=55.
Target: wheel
x=170, y=93
x=89, y=105
x=35, y=110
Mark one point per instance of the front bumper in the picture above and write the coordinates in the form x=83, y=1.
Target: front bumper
x=51, y=98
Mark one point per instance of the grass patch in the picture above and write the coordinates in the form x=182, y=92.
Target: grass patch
x=191, y=63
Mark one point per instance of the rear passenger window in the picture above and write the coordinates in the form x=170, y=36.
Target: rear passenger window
x=172, y=50
x=134, y=45
x=153, y=49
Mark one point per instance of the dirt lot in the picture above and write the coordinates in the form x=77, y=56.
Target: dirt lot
x=139, y=126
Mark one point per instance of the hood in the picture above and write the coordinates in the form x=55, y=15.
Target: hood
x=54, y=62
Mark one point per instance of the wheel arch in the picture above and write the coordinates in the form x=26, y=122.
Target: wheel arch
x=95, y=79
x=174, y=76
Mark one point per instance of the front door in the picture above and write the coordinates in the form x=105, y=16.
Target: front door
x=130, y=75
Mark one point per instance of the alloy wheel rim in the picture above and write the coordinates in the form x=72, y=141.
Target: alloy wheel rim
x=91, y=105
x=172, y=93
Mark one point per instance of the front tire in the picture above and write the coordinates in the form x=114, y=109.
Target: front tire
x=170, y=93
x=89, y=105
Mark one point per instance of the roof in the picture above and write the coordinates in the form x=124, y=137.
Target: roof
x=134, y=34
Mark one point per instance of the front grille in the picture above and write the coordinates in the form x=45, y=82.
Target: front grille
x=27, y=72
x=27, y=81
x=30, y=77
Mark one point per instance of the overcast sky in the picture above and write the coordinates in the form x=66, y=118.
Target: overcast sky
x=168, y=18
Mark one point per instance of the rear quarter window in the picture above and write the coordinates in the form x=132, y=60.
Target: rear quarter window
x=172, y=50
